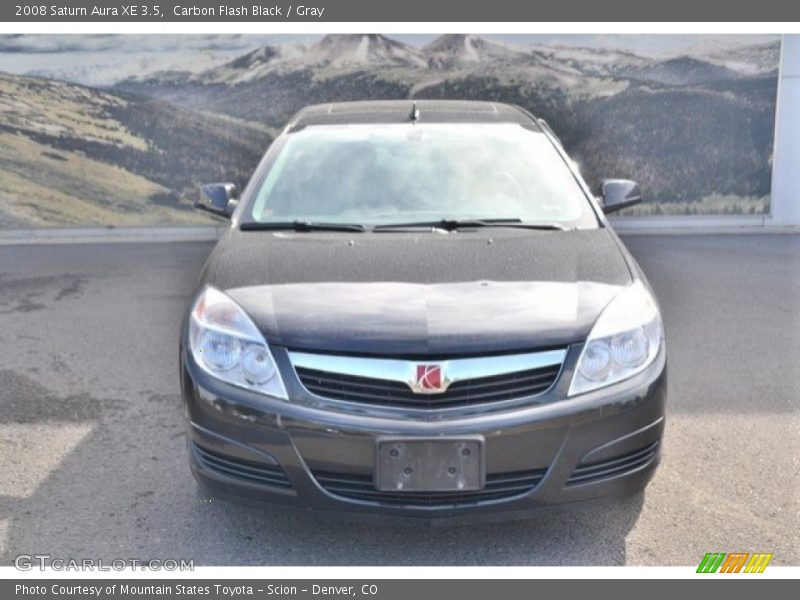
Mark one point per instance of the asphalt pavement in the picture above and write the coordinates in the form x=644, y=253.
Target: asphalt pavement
x=92, y=450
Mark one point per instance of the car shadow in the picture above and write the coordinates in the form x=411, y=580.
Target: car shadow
x=586, y=535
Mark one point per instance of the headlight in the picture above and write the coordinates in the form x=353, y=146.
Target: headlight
x=624, y=341
x=226, y=344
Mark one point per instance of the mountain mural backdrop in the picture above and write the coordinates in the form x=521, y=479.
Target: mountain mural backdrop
x=695, y=129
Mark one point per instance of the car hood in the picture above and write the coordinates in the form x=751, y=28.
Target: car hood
x=421, y=294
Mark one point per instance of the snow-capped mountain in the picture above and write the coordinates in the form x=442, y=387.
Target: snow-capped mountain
x=253, y=65
x=749, y=60
x=102, y=69
x=331, y=54
x=372, y=55
x=602, y=62
x=360, y=50
x=592, y=71
x=459, y=50
x=681, y=70
x=102, y=60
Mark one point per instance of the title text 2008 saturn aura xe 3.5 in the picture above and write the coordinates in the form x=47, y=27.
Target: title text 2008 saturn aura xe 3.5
x=419, y=310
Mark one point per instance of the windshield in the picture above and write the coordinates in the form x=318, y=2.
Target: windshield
x=402, y=173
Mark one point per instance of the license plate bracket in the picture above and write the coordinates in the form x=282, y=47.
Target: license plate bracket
x=437, y=464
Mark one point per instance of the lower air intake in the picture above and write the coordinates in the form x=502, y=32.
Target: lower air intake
x=361, y=487
x=613, y=467
x=245, y=470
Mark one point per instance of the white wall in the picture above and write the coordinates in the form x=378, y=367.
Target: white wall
x=786, y=165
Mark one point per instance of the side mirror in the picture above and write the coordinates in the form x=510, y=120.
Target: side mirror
x=617, y=194
x=218, y=198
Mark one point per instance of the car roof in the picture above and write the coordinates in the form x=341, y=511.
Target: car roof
x=400, y=111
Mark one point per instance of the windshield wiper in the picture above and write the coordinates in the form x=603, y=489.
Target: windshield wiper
x=301, y=226
x=455, y=224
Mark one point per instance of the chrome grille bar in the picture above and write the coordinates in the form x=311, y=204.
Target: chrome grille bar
x=404, y=371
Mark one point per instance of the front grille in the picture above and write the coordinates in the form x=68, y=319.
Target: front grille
x=361, y=487
x=384, y=392
x=605, y=469
x=250, y=471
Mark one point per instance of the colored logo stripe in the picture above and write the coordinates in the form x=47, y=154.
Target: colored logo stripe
x=734, y=562
x=711, y=562
x=758, y=563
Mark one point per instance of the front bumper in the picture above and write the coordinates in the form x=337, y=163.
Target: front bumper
x=601, y=444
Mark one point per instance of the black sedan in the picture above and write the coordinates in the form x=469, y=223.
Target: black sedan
x=420, y=310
